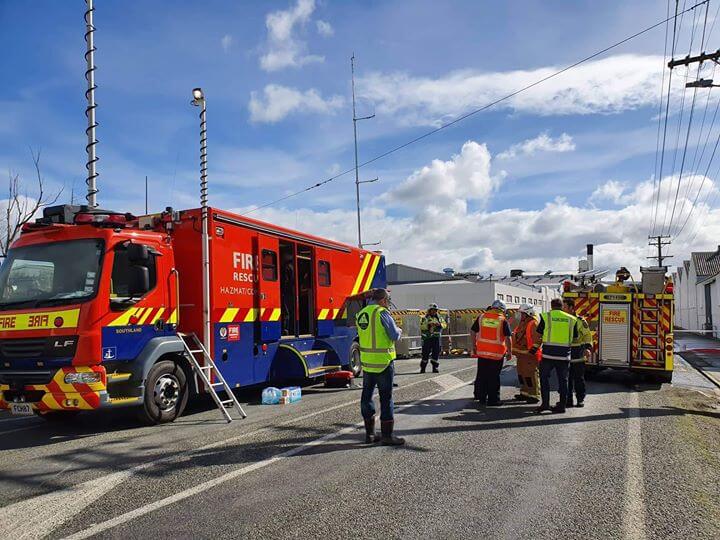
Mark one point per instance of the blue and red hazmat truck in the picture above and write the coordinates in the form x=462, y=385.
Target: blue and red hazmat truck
x=92, y=302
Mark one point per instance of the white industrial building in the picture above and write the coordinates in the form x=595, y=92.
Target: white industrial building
x=697, y=292
x=415, y=288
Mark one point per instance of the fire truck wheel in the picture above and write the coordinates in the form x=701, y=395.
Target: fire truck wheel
x=58, y=416
x=354, y=360
x=166, y=393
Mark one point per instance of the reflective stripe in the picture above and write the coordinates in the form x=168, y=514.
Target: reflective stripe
x=552, y=357
x=363, y=349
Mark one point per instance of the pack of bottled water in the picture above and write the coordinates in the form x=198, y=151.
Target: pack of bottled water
x=290, y=394
x=271, y=396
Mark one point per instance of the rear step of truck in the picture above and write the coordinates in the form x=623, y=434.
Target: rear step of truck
x=209, y=372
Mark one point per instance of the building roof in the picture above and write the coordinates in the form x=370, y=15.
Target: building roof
x=401, y=273
x=706, y=263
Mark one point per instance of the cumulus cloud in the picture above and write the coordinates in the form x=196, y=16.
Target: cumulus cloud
x=325, y=29
x=541, y=143
x=610, y=85
x=284, y=48
x=226, y=42
x=442, y=184
x=612, y=191
x=276, y=102
x=552, y=236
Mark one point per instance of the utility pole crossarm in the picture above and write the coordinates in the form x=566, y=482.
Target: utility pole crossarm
x=714, y=56
x=657, y=241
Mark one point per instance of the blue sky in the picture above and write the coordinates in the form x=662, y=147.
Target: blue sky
x=524, y=184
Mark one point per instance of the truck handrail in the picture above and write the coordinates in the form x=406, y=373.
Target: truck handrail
x=177, y=294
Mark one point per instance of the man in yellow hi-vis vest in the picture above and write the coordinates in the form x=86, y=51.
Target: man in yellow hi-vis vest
x=581, y=349
x=377, y=334
x=556, y=332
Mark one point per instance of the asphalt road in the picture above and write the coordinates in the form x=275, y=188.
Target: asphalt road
x=639, y=461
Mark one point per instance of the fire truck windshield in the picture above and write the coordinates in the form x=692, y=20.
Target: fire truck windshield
x=50, y=274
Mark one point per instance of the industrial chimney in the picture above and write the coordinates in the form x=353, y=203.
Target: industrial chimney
x=590, y=257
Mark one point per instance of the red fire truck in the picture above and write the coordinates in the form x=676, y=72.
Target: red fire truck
x=94, y=306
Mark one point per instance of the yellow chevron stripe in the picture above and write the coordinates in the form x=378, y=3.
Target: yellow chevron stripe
x=124, y=319
x=335, y=313
x=323, y=314
x=254, y=314
x=275, y=315
x=173, y=317
x=158, y=314
x=371, y=274
x=229, y=315
x=361, y=275
x=145, y=315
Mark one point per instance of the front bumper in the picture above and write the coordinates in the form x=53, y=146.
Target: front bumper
x=56, y=394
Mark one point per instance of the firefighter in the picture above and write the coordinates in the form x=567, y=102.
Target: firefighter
x=431, y=327
x=527, y=363
x=581, y=350
x=492, y=343
x=555, y=333
x=377, y=333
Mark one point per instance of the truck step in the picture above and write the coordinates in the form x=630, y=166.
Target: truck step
x=118, y=377
x=322, y=370
x=313, y=352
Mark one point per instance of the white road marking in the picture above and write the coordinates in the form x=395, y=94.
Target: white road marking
x=205, y=486
x=634, y=522
x=39, y=516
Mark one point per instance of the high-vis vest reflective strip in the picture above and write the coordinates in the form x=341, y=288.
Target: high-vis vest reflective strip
x=377, y=350
x=490, y=340
x=558, y=334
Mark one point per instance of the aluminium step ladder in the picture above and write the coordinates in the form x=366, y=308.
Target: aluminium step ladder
x=208, y=372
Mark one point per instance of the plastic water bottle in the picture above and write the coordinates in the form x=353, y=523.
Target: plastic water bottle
x=271, y=396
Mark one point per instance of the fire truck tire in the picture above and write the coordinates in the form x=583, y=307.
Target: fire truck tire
x=166, y=393
x=354, y=364
x=58, y=416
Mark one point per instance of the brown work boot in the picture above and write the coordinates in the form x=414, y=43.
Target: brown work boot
x=388, y=439
x=370, y=436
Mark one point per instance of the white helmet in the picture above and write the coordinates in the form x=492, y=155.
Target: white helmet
x=527, y=309
x=433, y=306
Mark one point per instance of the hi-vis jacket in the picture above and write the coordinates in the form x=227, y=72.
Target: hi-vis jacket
x=524, y=338
x=436, y=330
x=582, y=342
x=559, y=329
x=377, y=350
x=490, y=339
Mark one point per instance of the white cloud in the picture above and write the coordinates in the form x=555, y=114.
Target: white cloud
x=226, y=42
x=541, y=143
x=283, y=48
x=325, y=29
x=442, y=231
x=610, y=85
x=277, y=102
x=442, y=184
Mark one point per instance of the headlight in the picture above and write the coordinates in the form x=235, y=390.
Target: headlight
x=82, y=378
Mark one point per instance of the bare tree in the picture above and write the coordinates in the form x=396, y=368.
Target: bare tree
x=21, y=207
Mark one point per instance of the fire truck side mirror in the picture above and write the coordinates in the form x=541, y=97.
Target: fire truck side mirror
x=138, y=253
x=139, y=280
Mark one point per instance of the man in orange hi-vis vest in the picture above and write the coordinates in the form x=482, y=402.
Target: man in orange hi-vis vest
x=492, y=343
x=527, y=362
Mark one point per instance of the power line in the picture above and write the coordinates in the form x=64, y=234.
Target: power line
x=476, y=111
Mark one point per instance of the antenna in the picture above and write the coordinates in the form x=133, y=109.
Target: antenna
x=357, y=177
x=91, y=106
x=146, y=195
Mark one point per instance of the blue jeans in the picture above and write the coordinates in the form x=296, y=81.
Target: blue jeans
x=561, y=367
x=384, y=383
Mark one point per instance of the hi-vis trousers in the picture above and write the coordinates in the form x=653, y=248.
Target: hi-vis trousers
x=528, y=375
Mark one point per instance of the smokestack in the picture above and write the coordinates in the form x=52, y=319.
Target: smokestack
x=590, y=257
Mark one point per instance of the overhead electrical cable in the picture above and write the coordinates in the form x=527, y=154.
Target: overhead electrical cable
x=479, y=110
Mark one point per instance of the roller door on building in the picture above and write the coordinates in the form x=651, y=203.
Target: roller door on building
x=615, y=334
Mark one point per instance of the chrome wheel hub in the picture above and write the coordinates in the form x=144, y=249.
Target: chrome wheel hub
x=166, y=392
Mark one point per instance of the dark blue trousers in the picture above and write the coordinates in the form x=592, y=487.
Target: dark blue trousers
x=562, y=368
x=384, y=383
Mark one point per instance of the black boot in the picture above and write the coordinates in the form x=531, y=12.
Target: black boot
x=370, y=436
x=422, y=368
x=388, y=439
x=436, y=368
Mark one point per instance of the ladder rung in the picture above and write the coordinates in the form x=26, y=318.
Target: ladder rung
x=217, y=384
x=227, y=402
x=196, y=351
x=203, y=368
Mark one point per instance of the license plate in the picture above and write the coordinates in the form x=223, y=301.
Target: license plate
x=21, y=409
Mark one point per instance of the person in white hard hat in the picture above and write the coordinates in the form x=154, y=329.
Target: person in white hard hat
x=431, y=327
x=527, y=362
x=492, y=344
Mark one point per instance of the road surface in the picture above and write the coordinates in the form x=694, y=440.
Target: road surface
x=639, y=461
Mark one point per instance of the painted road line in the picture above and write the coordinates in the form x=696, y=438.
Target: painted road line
x=39, y=516
x=210, y=484
x=634, y=521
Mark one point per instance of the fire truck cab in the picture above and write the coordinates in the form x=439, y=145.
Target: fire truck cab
x=91, y=304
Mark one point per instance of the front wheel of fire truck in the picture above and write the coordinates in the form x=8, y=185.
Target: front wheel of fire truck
x=354, y=360
x=166, y=393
